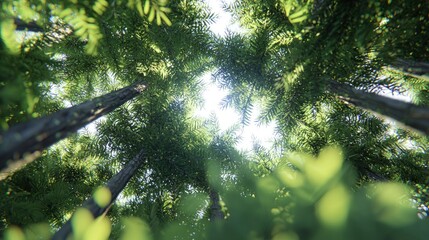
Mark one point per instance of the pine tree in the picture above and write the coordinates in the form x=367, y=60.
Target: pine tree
x=170, y=66
x=299, y=58
x=285, y=59
x=22, y=143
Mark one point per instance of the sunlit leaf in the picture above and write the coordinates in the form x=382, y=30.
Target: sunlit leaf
x=38, y=231
x=392, y=203
x=146, y=6
x=98, y=230
x=333, y=209
x=139, y=7
x=151, y=15
x=158, y=18
x=8, y=35
x=325, y=167
x=298, y=13
x=80, y=221
x=165, y=9
x=135, y=228
x=14, y=233
x=290, y=178
x=100, y=6
x=165, y=18
x=102, y=196
x=286, y=236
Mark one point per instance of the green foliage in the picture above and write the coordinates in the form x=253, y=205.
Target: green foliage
x=282, y=61
x=296, y=11
x=156, y=9
x=304, y=198
x=135, y=228
x=102, y=196
x=35, y=231
x=313, y=200
x=8, y=36
x=83, y=17
x=24, y=78
x=85, y=27
x=291, y=63
x=86, y=227
x=47, y=190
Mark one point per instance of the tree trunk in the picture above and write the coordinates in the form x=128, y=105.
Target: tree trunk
x=116, y=184
x=412, y=68
x=24, y=142
x=215, y=208
x=411, y=115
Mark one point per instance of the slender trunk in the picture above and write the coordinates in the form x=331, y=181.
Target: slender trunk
x=215, y=207
x=411, y=115
x=116, y=184
x=24, y=142
x=412, y=68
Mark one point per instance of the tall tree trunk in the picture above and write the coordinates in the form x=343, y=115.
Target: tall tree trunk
x=116, y=184
x=412, y=68
x=215, y=207
x=24, y=142
x=411, y=115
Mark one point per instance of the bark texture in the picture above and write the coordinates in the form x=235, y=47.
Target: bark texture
x=116, y=184
x=411, y=115
x=24, y=142
x=215, y=207
x=412, y=68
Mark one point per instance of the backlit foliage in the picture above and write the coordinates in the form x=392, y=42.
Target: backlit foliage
x=335, y=172
x=83, y=17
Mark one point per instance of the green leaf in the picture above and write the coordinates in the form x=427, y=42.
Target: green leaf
x=151, y=15
x=146, y=7
x=139, y=7
x=158, y=18
x=298, y=19
x=100, y=6
x=14, y=233
x=8, y=36
x=299, y=15
x=165, y=18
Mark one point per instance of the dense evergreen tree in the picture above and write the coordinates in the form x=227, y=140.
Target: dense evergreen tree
x=315, y=66
x=23, y=142
x=306, y=57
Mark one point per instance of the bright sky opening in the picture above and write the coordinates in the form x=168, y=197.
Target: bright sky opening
x=213, y=95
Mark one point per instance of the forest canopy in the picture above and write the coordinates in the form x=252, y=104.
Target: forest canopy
x=346, y=83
